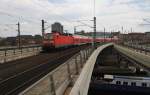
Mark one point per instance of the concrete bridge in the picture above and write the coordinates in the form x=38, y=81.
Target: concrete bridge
x=77, y=75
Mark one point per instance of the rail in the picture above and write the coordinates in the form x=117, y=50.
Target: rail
x=140, y=58
x=56, y=82
x=82, y=84
x=13, y=53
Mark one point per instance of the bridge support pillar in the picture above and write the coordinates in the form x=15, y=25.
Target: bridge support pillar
x=81, y=61
x=52, y=85
x=77, y=68
x=69, y=75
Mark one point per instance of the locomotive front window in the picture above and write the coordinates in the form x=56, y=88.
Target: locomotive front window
x=48, y=36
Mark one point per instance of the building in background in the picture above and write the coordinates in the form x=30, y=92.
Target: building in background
x=25, y=40
x=57, y=27
x=135, y=38
x=147, y=34
x=10, y=41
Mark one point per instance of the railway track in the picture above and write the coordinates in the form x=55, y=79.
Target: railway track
x=18, y=75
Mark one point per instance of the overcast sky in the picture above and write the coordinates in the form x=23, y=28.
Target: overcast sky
x=112, y=14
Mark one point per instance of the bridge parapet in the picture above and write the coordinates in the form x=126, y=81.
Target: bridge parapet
x=56, y=82
x=12, y=53
x=82, y=84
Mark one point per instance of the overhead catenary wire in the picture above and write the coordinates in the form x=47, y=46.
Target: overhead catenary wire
x=85, y=24
x=94, y=8
x=47, y=10
x=64, y=18
x=146, y=20
x=70, y=22
x=23, y=20
x=17, y=17
x=29, y=19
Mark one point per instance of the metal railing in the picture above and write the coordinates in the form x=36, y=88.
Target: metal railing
x=56, y=82
x=13, y=53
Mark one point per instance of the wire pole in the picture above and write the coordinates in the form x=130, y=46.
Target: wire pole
x=122, y=29
x=131, y=30
x=74, y=29
x=94, y=36
x=111, y=35
x=94, y=8
x=94, y=20
x=43, y=28
x=104, y=33
x=19, y=37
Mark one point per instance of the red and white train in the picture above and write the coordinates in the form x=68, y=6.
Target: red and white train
x=58, y=40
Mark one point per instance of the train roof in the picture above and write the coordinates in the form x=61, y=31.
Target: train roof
x=130, y=77
x=81, y=36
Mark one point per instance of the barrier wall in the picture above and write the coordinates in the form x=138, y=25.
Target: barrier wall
x=82, y=84
x=56, y=82
x=9, y=54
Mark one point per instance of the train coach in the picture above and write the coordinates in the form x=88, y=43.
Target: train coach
x=80, y=40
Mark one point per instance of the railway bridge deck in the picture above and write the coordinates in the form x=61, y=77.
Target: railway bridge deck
x=83, y=72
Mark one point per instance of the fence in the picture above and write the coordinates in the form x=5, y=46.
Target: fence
x=9, y=54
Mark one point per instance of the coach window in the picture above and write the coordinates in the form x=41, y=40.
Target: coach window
x=125, y=83
x=133, y=83
x=118, y=82
x=144, y=84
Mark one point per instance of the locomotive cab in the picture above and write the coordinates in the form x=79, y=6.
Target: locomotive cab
x=48, y=41
x=48, y=36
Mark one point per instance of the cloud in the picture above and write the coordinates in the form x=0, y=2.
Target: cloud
x=127, y=13
x=110, y=13
x=57, y=1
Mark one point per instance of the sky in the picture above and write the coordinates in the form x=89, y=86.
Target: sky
x=111, y=14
